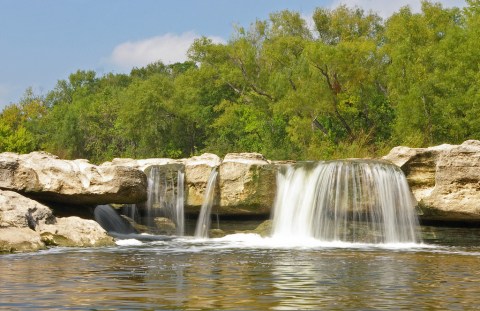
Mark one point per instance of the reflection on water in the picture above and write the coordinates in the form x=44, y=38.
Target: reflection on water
x=239, y=273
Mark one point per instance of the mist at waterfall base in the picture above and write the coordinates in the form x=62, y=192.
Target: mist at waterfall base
x=358, y=263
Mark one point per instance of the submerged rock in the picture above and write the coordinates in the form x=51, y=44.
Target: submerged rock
x=43, y=176
x=445, y=179
x=265, y=228
x=164, y=226
x=216, y=233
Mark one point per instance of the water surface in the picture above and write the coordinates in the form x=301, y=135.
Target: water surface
x=246, y=272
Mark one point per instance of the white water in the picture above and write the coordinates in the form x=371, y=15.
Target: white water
x=179, y=209
x=349, y=201
x=203, y=222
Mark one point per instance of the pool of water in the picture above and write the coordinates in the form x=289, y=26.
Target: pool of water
x=247, y=272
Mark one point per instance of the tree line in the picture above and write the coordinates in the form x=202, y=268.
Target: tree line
x=351, y=85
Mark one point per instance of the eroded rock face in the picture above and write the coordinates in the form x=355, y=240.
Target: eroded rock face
x=26, y=225
x=13, y=240
x=197, y=171
x=247, y=184
x=444, y=179
x=44, y=176
x=20, y=212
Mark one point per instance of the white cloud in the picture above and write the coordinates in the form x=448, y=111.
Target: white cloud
x=169, y=48
x=385, y=8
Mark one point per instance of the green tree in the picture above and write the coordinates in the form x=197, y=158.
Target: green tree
x=419, y=48
x=19, y=124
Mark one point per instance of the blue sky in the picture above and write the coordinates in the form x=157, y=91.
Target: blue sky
x=44, y=41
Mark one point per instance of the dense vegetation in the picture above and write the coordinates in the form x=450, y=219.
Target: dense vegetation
x=353, y=86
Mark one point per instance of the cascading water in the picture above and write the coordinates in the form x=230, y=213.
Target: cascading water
x=203, y=222
x=179, y=208
x=108, y=218
x=347, y=200
x=131, y=211
x=165, y=195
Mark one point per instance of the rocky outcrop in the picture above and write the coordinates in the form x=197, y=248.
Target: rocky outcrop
x=197, y=171
x=247, y=184
x=444, y=179
x=20, y=212
x=45, y=177
x=26, y=225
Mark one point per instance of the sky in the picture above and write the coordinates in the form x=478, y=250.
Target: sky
x=43, y=41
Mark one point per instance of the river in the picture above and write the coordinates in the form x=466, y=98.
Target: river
x=247, y=272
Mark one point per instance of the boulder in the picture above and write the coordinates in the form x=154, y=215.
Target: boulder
x=75, y=232
x=216, y=233
x=164, y=226
x=197, y=171
x=18, y=211
x=14, y=239
x=265, y=228
x=247, y=184
x=27, y=225
x=444, y=179
x=43, y=176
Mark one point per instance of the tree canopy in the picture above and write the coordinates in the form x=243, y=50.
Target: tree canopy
x=349, y=85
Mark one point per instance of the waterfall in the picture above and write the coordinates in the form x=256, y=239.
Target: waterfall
x=165, y=195
x=203, y=222
x=131, y=211
x=109, y=219
x=179, y=208
x=347, y=200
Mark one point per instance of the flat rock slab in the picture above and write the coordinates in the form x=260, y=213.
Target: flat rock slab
x=45, y=177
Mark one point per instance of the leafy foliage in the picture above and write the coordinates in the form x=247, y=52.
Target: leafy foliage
x=353, y=86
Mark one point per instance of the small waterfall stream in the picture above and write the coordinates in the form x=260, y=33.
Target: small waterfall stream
x=166, y=195
x=203, y=223
x=179, y=208
x=108, y=218
x=347, y=200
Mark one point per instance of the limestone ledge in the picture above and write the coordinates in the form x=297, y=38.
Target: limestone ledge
x=444, y=179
